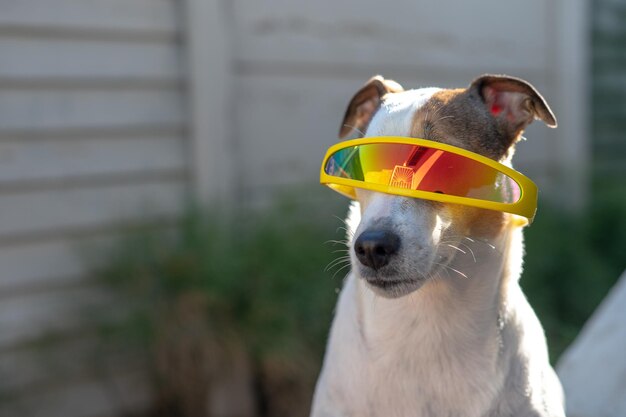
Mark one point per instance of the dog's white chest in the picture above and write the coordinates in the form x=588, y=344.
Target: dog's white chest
x=400, y=372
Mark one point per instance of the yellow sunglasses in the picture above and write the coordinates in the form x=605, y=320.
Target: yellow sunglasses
x=421, y=168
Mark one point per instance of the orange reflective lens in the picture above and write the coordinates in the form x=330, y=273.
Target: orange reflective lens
x=424, y=169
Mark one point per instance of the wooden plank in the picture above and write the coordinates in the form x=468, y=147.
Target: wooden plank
x=112, y=132
x=113, y=15
x=48, y=264
x=67, y=208
x=41, y=263
x=30, y=317
x=27, y=58
x=67, y=109
x=30, y=160
x=488, y=36
x=211, y=108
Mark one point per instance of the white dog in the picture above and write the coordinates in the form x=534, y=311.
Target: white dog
x=431, y=320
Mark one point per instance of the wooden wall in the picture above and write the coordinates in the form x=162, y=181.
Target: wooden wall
x=92, y=136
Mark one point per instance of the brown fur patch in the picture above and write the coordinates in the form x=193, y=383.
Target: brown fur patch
x=458, y=117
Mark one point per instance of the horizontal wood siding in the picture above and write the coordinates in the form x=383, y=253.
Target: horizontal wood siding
x=100, y=155
x=55, y=210
x=451, y=35
x=100, y=61
x=92, y=138
x=141, y=17
x=28, y=317
x=69, y=108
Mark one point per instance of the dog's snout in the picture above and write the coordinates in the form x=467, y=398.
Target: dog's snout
x=374, y=248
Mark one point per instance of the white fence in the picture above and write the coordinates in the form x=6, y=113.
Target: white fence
x=92, y=130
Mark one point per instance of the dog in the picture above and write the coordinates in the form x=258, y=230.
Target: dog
x=431, y=320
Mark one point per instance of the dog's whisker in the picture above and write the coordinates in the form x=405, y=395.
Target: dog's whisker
x=339, y=259
x=346, y=228
x=470, y=250
x=484, y=242
x=458, y=272
x=339, y=266
x=332, y=263
x=341, y=250
x=347, y=264
x=457, y=248
x=336, y=262
x=452, y=269
x=340, y=219
x=337, y=242
x=339, y=262
x=346, y=231
x=474, y=241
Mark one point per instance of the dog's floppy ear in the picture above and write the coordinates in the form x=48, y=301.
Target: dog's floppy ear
x=513, y=102
x=365, y=103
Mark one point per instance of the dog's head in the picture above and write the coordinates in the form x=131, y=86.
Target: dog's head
x=400, y=243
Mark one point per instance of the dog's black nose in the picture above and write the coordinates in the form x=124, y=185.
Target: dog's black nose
x=374, y=248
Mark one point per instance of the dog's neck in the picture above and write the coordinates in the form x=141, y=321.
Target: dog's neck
x=462, y=305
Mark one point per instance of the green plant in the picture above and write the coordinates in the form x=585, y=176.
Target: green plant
x=220, y=289
x=571, y=262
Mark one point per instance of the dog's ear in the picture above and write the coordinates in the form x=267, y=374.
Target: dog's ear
x=513, y=102
x=365, y=103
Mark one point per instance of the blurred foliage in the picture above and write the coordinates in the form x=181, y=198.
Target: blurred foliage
x=254, y=283
x=249, y=282
x=573, y=260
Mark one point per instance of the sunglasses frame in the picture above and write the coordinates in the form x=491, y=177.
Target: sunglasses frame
x=526, y=206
